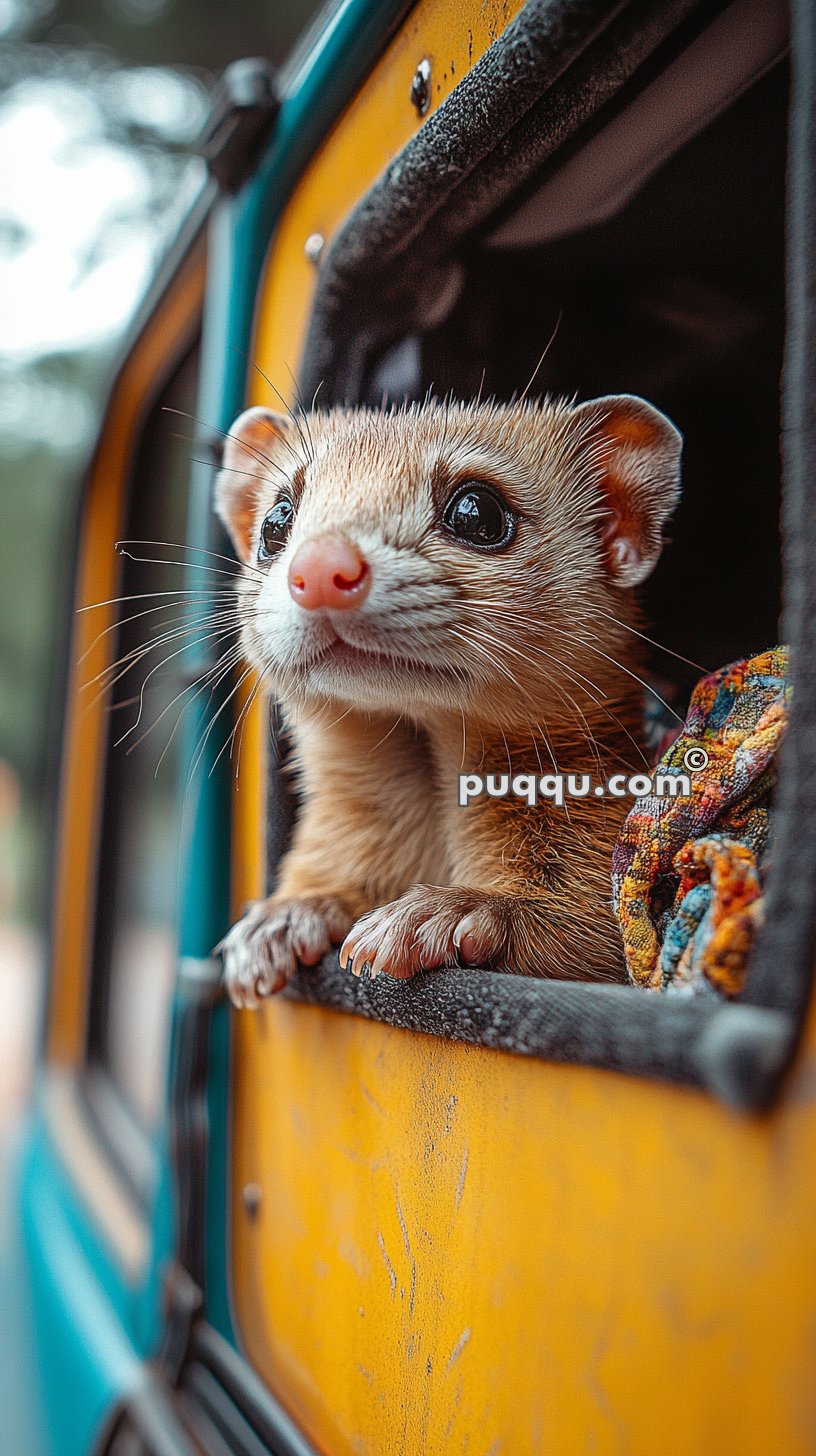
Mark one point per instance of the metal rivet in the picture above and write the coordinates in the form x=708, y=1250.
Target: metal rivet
x=314, y=246
x=421, y=87
x=251, y=1194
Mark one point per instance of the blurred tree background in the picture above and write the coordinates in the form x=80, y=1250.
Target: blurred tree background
x=100, y=105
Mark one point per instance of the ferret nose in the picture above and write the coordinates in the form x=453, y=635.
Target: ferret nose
x=328, y=572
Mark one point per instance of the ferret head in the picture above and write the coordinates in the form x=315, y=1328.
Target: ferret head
x=446, y=556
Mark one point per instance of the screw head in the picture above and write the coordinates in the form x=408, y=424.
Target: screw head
x=421, y=87
x=313, y=247
x=251, y=1195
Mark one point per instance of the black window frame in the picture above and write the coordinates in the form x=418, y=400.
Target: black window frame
x=542, y=80
x=130, y=1143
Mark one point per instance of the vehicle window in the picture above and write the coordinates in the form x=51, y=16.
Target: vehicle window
x=141, y=834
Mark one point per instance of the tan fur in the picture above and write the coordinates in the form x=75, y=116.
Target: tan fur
x=518, y=659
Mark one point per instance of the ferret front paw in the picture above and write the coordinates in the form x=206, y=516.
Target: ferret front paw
x=262, y=950
x=426, y=929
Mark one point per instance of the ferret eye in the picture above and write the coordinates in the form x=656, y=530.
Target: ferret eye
x=479, y=516
x=276, y=527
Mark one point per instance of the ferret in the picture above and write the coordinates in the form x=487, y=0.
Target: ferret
x=429, y=591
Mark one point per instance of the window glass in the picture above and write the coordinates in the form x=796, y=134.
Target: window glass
x=141, y=840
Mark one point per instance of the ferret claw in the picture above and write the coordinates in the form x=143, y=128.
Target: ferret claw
x=262, y=950
x=426, y=929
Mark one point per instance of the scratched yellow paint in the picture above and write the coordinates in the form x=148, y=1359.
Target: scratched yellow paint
x=463, y=1251
x=460, y=1251
x=451, y=34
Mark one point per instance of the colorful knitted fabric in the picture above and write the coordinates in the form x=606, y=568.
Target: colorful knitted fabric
x=687, y=871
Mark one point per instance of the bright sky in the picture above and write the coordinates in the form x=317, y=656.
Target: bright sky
x=79, y=229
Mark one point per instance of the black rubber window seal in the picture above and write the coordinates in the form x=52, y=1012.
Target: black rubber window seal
x=573, y=55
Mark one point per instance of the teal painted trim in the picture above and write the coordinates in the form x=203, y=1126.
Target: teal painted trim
x=88, y=1329
x=343, y=54
x=204, y=800
x=240, y=233
x=46, y=1171
x=315, y=89
x=218, y=1215
x=22, y=1429
x=314, y=93
x=148, y=1322
x=77, y=1306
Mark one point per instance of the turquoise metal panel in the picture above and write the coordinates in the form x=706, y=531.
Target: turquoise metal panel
x=240, y=234
x=85, y=1330
x=78, y=1311
x=22, y=1427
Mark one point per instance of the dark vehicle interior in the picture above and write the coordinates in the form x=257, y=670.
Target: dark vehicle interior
x=672, y=289
x=599, y=211
x=678, y=298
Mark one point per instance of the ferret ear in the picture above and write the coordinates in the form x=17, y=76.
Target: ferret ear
x=252, y=448
x=636, y=451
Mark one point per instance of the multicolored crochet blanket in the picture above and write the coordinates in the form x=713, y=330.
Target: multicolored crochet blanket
x=687, y=872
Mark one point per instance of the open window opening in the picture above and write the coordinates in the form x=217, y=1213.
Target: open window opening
x=679, y=298
x=136, y=950
x=670, y=286
x=630, y=203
